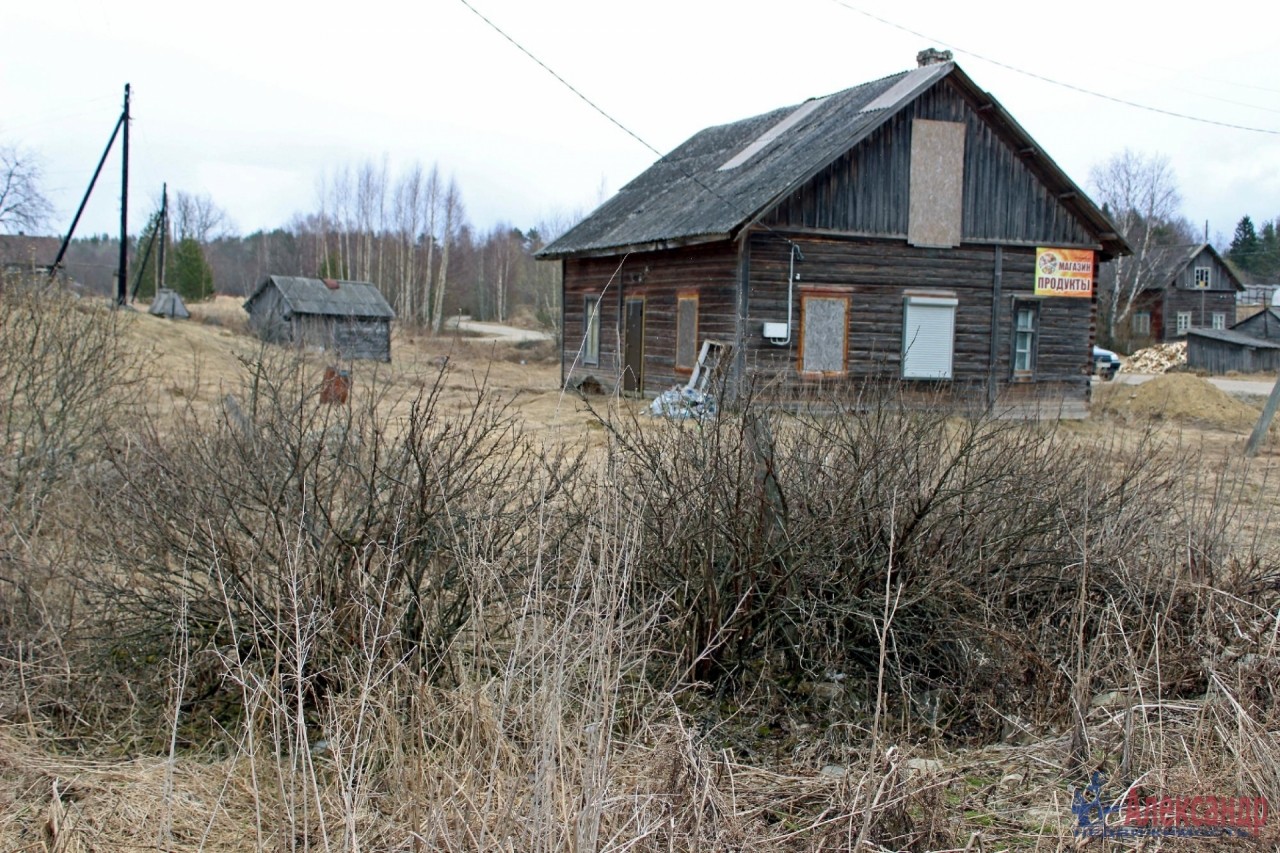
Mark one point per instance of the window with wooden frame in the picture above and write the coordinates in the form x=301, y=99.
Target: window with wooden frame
x=1202, y=277
x=824, y=333
x=1183, y=322
x=1142, y=323
x=686, y=331
x=1026, y=337
x=591, y=330
x=1219, y=320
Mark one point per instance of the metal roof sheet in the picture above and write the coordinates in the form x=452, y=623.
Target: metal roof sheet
x=1233, y=337
x=312, y=296
x=723, y=177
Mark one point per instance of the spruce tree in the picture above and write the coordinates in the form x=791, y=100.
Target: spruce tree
x=1243, y=251
x=190, y=274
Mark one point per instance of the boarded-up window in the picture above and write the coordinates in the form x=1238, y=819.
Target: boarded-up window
x=937, y=183
x=591, y=336
x=686, y=332
x=823, y=334
x=928, y=336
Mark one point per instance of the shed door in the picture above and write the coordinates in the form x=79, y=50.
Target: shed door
x=633, y=346
x=928, y=337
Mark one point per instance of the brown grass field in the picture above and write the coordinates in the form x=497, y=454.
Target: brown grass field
x=180, y=671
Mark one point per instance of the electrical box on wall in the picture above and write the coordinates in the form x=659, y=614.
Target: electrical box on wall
x=775, y=331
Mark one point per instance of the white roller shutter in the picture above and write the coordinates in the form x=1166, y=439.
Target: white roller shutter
x=928, y=336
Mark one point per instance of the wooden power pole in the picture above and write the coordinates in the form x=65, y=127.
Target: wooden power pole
x=122, y=281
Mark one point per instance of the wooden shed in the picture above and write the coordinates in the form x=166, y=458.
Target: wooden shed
x=1265, y=324
x=1221, y=351
x=907, y=229
x=350, y=318
x=1191, y=288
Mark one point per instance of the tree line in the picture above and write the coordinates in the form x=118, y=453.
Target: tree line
x=1255, y=253
x=408, y=233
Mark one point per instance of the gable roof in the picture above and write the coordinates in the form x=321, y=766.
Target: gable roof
x=313, y=296
x=726, y=177
x=1167, y=262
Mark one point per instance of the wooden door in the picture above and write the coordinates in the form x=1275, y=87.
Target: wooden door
x=633, y=346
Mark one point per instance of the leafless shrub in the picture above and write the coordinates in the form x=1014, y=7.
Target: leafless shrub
x=303, y=516
x=965, y=564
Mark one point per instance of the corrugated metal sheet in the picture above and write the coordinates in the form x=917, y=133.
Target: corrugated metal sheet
x=693, y=195
x=312, y=296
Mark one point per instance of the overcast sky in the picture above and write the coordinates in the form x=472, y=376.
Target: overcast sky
x=251, y=102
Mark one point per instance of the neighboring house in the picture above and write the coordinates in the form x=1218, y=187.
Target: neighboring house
x=349, y=317
x=1265, y=324
x=888, y=231
x=1191, y=288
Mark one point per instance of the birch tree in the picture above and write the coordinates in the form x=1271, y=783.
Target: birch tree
x=1140, y=192
x=453, y=213
x=23, y=206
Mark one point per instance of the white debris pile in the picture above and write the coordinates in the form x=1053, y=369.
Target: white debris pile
x=1160, y=358
x=682, y=403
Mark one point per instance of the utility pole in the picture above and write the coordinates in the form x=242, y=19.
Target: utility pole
x=164, y=228
x=122, y=281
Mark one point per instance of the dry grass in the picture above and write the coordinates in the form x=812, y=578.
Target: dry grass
x=274, y=701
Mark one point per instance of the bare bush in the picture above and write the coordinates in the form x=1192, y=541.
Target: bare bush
x=289, y=511
x=961, y=564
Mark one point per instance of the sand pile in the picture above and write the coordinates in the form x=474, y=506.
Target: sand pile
x=1177, y=397
x=1157, y=359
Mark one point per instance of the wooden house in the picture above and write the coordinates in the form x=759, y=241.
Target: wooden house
x=906, y=229
x=351, y=318
x=1191, y=288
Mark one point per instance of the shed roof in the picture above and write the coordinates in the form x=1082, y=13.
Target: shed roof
x=725, y=177
x=314, y=296
x=1233, y=337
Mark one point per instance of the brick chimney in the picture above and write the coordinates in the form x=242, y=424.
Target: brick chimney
x=932, y=56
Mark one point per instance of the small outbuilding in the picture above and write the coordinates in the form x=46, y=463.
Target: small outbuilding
x=1265, y=324
x=1219, y=351
x=350, y=318
x=906, y=230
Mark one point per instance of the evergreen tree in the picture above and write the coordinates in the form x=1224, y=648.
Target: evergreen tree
x=1243, y=251
x=1268, y=261
x=190, y=273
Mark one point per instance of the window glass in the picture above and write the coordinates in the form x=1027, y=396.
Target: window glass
x=1202, y=276
x=1142, y=323
x=1024, y=338
x=1184, y=322
x=1219, y=320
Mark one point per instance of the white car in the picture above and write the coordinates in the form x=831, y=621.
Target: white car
x=1105, y=363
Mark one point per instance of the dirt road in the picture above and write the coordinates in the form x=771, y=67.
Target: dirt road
x=1248, y=387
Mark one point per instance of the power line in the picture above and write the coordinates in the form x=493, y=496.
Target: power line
x=1043, y=78
x=687, y=174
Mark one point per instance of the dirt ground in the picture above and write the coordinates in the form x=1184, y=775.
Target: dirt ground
x=200, y=361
